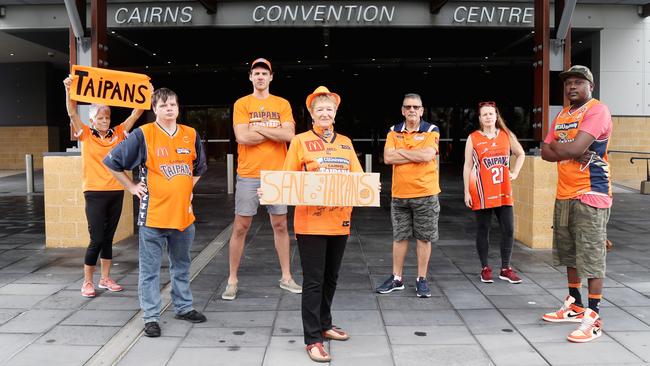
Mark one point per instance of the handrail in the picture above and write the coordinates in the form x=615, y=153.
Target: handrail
x=628, y=152
x=647, y=163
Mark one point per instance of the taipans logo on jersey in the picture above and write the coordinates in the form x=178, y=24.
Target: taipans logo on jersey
x=315, y=145
x=172, y=170
x=418, y=137
x=182, y=150
x=491, y=161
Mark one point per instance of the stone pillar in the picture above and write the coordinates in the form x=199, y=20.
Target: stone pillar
x=65, y=217
x=534, y=198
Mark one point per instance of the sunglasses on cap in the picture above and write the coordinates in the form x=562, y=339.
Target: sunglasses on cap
x=487, y=104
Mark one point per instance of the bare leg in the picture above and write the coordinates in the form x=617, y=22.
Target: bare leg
x=236, y=245
x=106, y=267
x=282, y=244
x=400, y=248
x=88, y=273
x=424, y=253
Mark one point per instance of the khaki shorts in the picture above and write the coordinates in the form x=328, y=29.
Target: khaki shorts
x=579, y=235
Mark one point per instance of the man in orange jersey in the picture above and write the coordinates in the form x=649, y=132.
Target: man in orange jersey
x=263, y=124
x=578, y=142
x=171, y=160
x=411, y=148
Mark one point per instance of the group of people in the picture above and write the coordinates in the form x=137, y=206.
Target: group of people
x=171, y=159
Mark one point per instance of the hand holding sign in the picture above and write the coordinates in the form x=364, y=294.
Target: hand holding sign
x=319, y=188
x=110, y=87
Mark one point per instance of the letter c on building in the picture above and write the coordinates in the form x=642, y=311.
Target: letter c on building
x=456, y=18
x=117, y=13
x=260, y=8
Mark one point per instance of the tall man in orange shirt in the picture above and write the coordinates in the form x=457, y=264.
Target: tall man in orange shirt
x=411, y=148
x=171, y=160
x=263, y=124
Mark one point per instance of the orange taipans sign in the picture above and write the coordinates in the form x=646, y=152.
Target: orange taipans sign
x=110, y=87
x=319, y=188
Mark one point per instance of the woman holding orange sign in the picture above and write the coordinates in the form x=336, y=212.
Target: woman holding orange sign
x=322, y=232
x=102, y=192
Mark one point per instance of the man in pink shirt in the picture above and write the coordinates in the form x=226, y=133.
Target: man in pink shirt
x=578, y=142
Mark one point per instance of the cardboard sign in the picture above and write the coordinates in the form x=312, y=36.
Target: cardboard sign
x=319, y=188
x=110, y=87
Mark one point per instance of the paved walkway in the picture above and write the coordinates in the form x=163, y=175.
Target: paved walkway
x=43, y=319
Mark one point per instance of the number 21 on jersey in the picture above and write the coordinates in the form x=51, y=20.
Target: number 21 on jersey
x=497, y=174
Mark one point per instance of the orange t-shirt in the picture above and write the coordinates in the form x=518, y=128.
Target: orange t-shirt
x=168, y=164
x=413, y=180
x=268, y=155
x=309, y=152
x=94, y=149
x=489, y=182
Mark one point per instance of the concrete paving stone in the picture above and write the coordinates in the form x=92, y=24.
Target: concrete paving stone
x=113, y=303
x=448, y=355
x=626, y=297
x=468, y=299
x=353, y=282
x=53, y=355
x=170, y=326
x=641, y=313
x=505, y=288
x=560, y=295
x=11, y=344
x=68, y=299
x=527, y=316
x=624, y=278
x=532, y=268
x=116, y=318
x=625, y=268
x=49, y=278
x=361, y=350
x=486, y=321
x=637, y=342
x=510, y=350
x=456, y=285
x=6, y=278
x=243, y=319
x=34, y=321
x=288, y=350
x=642, y=287
x=29, y=289
x=8, y=314
x=550, y=280
x=78, y=335
x=593, y=353
x=255, y=292
x=140, y=354
x=359, y=322
x=245, y=304
x=354, y=300
x=421, y=317
x=21, y=301
x=432, y=334
x=552, y=332
x=288, y=323
x=616, y=319
x=413, y=303
x=227, y=337
x=531, y=301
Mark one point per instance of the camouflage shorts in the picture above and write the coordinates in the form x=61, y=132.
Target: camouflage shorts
x=415, y=217
x=579, y=235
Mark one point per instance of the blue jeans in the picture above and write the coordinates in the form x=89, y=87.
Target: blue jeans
x=152, y=243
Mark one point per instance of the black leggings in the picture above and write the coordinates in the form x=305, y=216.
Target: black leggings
x=103, y=210
x=320, y=256
x=504, y=215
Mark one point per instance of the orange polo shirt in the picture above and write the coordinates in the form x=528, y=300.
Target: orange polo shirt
x=94, y=149
x=412, y=180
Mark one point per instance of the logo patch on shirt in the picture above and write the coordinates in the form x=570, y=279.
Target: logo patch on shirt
x=172, y=170
x=346, y=223
x=182, y=150
x=315, y=145
x=346, y=147
x=418, y=137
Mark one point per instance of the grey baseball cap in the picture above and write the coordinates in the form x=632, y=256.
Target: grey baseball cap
x=578, y=71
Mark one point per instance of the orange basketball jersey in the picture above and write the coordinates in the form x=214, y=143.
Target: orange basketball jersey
x=489, y=183
x=309, y=152
x=94, y=149
x=268, y=155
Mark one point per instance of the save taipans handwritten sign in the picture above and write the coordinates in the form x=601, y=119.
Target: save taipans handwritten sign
x=319, y=188
x=110, y=87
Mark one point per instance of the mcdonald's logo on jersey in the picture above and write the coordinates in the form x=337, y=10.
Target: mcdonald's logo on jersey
x=315, y=145
x=162, y=152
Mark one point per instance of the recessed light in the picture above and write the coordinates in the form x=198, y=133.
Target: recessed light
x=112, y=32
x=135, y=44
x=197, y=65
x=429, y=58
x=325, y=56
x=146, y=67
x=11, y=54
x=326, y=45
x=299, y=61
x=169, y=62
x=154, y=54
x=486, y=57
x=372, y=59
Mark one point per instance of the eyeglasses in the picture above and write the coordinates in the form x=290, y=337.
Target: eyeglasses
x=416, y=107
x=487, y=104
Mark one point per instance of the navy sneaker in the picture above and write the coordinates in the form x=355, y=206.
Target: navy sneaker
x=390, y=285
x=422, y=287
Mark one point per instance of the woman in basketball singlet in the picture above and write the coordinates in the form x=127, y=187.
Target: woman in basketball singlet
x=487, y=173
x=103, y=194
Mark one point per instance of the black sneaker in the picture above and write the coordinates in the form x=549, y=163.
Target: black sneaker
x=422, y=287
x=152, y=329
x=390, y=285
x=192, y=316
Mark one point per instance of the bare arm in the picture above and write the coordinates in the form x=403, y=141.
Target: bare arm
x=467, y=170
x=130, y=121
x=246, y=136
x=139, y=189
x=282, y=134
x=194, y=180
x=392, y=157
x=71, y=106
x=574, y=149
x=424, y=155
x=548, y=154
x=520, y=156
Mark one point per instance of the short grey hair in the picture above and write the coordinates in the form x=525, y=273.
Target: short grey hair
x=413, y=96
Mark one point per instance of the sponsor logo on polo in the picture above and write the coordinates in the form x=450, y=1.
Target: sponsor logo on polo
x=182, y=150
x=162, y=152
x=315, y=145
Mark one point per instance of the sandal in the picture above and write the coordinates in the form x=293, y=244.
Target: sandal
x=336, y=334
x=319, y=355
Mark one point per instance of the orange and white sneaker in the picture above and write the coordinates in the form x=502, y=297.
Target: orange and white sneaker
x=88, y=289
x=109, y=284
x=569, y=312
x=589, y=329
